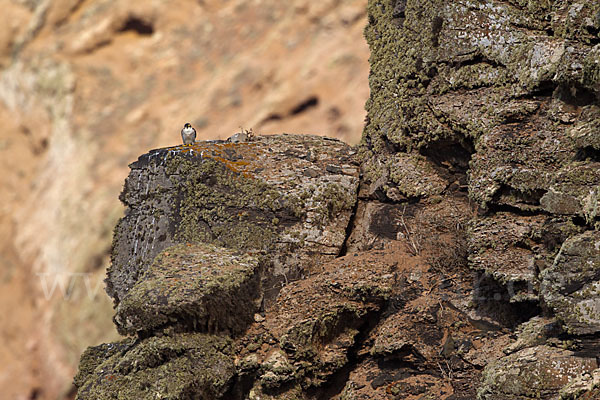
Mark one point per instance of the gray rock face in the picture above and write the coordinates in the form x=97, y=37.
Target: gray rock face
x=289, y=196
x=499, y=100
x=535, y=373
x=571, y=287
x=514, y=248
x=512, y=109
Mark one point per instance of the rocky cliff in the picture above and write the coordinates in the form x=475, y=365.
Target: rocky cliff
x=462, y=263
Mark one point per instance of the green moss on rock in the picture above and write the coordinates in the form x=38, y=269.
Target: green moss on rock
x=221, y=206
x=185, y=366
x=193, y=287
x=259, y=196
x=533, y=373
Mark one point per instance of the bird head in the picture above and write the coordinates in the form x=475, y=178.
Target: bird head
x=187, y=125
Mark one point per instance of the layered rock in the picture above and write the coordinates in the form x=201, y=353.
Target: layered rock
x=199, y=288
x=209, y=232
x=176, y=367
x=499, y=99
x=570, y=286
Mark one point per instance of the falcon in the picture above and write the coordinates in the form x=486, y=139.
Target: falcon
x=188, y=134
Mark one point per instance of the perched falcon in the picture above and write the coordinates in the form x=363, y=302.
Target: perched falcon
x=188, y=134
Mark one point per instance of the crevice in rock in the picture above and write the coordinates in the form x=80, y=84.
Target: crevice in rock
x=544, y=89
x=593, y=31
x=584, y=345
x=529, y=197
x=436, y=28
x=350, y=227
x=405, y=363
x=241, y=386
x=576, y=95
x=495, y=208
x=451, y=159
x=137, y=25
x=581, y=222
x=477, y=58
x=450, y=153
x=337, y=381
x=492, y=301
x=588, y=153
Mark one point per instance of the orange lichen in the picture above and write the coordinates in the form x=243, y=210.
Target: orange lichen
x=217, y=152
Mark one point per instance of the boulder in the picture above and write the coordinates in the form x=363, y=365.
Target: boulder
x=182, y=366
x=195, y=288
x=536, y=372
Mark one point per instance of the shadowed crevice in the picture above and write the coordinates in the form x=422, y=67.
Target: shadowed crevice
x=138, y=25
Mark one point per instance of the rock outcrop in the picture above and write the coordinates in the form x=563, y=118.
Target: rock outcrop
x=290, y=196
x=463, y=264
x=202, y=288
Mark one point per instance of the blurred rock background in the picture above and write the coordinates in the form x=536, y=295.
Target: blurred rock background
x=88, y=85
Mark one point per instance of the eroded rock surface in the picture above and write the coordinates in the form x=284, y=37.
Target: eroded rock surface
x=498, y=100
x=365, y=326
x=571, y=285
x=537, y=372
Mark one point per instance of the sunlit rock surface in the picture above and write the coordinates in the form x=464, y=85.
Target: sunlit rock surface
x=571, y=287
x=536, y=372
x=176, y=367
